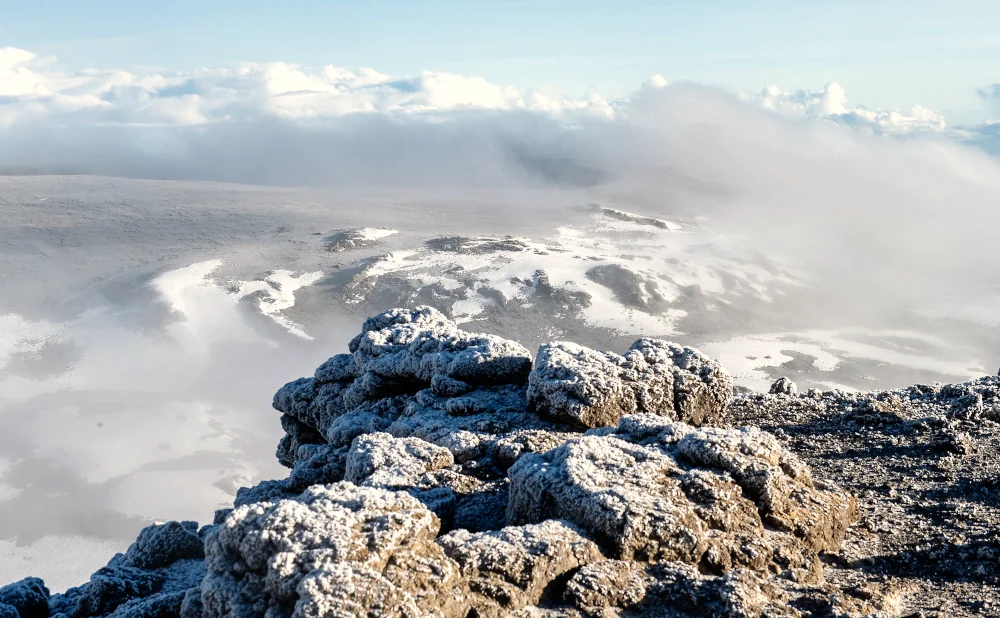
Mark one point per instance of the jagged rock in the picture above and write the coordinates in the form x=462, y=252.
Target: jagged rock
x=292, y=557
x=484, y=508
x=348, y=590
x=397, y=354
x=337, y=368
x=702, y=388
x=410, y=464
x=589, y=388
x=129, y=592
x=780, y=484
x=444, y=386
x=478, y=425
x=655, y=490
x=783, y=386
x=161, y=545
x=149, y=580
x=416, y=345
x=511, y=568
x=617, y=584
x=369, y=417
x=615, y=587
x=380, y=460
x=191, y=606
x=111, y=587
x=28, y=598
x=575, y=384
x=317, y=465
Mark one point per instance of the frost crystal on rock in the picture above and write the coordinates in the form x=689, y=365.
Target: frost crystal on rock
x=511, y=568
x=299, y=556
x=655, y=490
x=590, y=388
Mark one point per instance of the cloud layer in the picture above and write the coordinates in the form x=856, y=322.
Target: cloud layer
x=279, y=123
x=34, y=88
x=774, y=154
x=831, y=103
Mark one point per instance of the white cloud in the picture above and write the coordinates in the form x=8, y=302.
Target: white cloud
x=16, y=79
x=34, y=89
x=283, y=123
x=831, y=103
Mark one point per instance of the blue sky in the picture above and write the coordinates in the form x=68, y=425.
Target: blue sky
x=886, y=53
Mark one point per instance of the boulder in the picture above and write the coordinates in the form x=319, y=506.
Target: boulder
x=653, y=490
x=588, y=388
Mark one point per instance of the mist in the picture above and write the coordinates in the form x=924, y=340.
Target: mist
x=830, y=193
x=155, y=404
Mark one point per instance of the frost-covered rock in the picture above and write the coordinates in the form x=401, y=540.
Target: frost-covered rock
x=380, y=460
x=613, y=586
x=416, y=345
x=509, y=569
x=410, y=464
x=28, y=598
x=300, y=556
x=397, y=354
x=161, y=545
x=702, y=388
x=150, y=580
x=589, y=388
x=784, y=386
x=363, y=551
x=655, y=490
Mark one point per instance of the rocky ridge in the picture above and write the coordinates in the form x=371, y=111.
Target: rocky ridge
x=437, y=472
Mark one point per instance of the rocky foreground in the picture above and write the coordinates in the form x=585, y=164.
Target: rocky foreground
x=440, y=473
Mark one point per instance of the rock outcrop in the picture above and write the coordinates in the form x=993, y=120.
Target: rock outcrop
x=588, y=388
x=439, y=473
x=654, y=490
x=336, y=548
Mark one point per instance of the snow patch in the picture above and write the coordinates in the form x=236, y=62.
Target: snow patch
x=278, y=294
x=625, y=271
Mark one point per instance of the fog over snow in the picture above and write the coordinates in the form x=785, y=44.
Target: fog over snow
x=234, y=224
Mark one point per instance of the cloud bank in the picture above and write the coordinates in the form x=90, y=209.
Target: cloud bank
x=32, y=88
x=832, y=172
x=330, y=125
